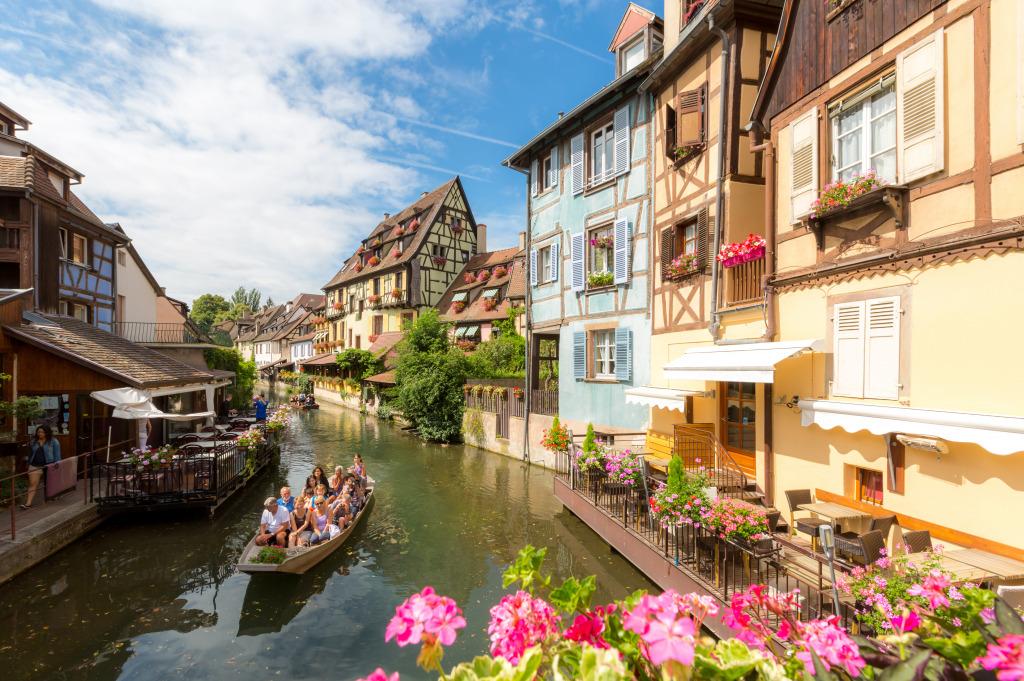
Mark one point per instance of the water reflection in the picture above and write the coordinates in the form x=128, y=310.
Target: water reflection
x=156, y=596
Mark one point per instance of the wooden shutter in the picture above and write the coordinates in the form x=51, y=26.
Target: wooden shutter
x=668, y=250
x=533, y=267
x=920, y=109
x=576, y=163
x=534, y=179
x=620, y=234
x=579, y=355
x=555, y=259
x=803, y=177
x=705, y=244
x=691, y=112
x=622, y=135
x=670, y=132
x=882, y=349
x=848, y=350
x=553, y=179
x=623, y=353
x=578, y=260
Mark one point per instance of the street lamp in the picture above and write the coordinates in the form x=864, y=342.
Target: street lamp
x=827, y=542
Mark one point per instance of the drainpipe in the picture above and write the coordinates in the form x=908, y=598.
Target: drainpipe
x=716, y=317
x=527, y=326
x=769, y=227
x=35, y=255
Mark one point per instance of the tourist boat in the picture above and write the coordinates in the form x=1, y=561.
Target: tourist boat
x=298, y=405
x=301, y=559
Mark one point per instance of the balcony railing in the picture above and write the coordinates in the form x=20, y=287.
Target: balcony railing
x=743, y=282
x=10, y=236
x=157, y=333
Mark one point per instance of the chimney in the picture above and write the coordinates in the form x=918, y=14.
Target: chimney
x=387, y=215
x=245, y=313
x=522, y=240
x=424, y=195
x=560, y=114
x=481, y=238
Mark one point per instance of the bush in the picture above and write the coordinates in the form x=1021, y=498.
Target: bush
x=229, y=359
x=385, y=411
x=589, y=445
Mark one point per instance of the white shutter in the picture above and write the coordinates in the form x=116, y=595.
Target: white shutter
x=1020, y=71
x=555, y=259
x=534, y=179
x=576, y=161
x=533, y=267
x=623, y=354
x=622, y=134
x=553, y=180
x=848, y=350
x=882, y=349
x=579, y=355
x=920, y=109
x=803, y=134
x=621, y=238
x=578, y=244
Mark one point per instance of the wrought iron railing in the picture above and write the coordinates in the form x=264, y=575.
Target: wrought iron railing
x=700, y=450
x=162, y=333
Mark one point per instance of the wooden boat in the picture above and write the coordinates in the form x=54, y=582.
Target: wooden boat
x=301, y=559
x=297, y=405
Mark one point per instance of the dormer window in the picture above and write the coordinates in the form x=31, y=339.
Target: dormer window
x=633, y=54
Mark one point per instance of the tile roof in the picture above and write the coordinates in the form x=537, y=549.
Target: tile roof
x=385, y=377
x=310, y=300
x=474, y=310
x=13, y=171
x=426, y=208
x=323, y=359
x=517, y=278
x=106, y=353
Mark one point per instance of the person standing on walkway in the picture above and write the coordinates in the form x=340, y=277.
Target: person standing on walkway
x=261, y=407
x=43, y=450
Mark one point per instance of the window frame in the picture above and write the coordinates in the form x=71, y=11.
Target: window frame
x=79, y=239
x=602, y=338
x=742, y=401
x=905, y=302
x=544, y=170
x=605, y=127
x=607, y=229
x=867, y=484
x=641, y=42
x=544, y=261
x=862, y=98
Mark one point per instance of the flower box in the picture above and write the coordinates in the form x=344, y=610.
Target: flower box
x=730, y=255
x=599, y=279
x=373, y=261
x=457, y=229
x=373, y=299
x=358, y=267
x=414, y=225
x=500, y=271
x=469, y=278
x=374, y=337
x=490, y=304
x=396, y=293
x=458, y=306
x=399, y=231
x=395, y=253
x=376, y=242
x=683, y=265
x=439, y=260
x=483, y=276
x=749, y=256
x=603, y=242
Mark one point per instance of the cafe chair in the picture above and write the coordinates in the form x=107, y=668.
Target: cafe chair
x=796, y=498
x=868, y=546
x=1013, y=595
x=918, y=541
x=883, y=525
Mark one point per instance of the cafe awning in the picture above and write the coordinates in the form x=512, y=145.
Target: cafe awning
x=129, y=403
x=751, y=362
x=665, y=398
x=1000, y=435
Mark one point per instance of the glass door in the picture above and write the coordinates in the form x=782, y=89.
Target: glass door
x=739, y=420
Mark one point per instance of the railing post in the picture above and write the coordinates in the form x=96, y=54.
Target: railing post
x=14, y=507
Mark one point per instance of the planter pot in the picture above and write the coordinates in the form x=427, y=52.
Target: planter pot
x=749, y=256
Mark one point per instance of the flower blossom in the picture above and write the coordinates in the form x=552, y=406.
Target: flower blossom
x=665, y=626
x=425, y=617
x=932, y=589
x=519, y=622
x=380, y=675
x=907, y=622
x=830, y=642
x=1007, y=656
x=587, y=628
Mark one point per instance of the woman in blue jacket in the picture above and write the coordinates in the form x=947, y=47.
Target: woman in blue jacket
x=43, y=450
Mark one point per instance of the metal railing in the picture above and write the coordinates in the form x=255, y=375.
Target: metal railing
x=169, y=333
x=700, y=450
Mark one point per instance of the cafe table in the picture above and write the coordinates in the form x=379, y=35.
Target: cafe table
x=849, y=518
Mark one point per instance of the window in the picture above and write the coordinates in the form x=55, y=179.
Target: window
x=544, y=263
x=398, y=280
x=3, y=127
x=864, y=134
x=63, y=235
x=740, y=415
x=545, y=173
x=358, y=343
x=407, y=320
x=122, y=259
x=604, y=354
x=438, y=250
x=690, y=236
x=602, y=251
x=686, y=238
x=465, y=256
x=602, y=154
x=691, y=120
x=79, y=248
x=869, y=486
x=866, y=348
x=376, y=286
x=459, y=297
x=633, y=55
x=81, y=313
x=378, y=325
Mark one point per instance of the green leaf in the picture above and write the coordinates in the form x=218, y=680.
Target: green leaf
x=526, y=569
x=911, y=670
x=1008, y=619
x=601, y=665
x=528, y=664
x=820, y=673
x=963, y=648
x=729, y=660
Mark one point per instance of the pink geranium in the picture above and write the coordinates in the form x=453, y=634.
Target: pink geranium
x=905, y=622
x=932, y=588
x=519, y=622
x=587, y=628
x=380, y=675
x=665, y=626
x=1007, y=656
x=830, y=643
x=425, y=617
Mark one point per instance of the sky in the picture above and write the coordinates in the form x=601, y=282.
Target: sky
x=254, y=143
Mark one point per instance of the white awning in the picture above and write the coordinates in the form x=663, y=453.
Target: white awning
x=666, y=398
x=752, y=362
x=130, y=403
x=1000, y=435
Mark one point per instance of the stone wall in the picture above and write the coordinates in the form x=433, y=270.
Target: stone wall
x=479, y=427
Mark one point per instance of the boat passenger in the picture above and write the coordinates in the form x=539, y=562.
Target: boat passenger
x=274, y=524
x=302, y=398
x=300, y=524
x=321, y=521
x=287, y=500
x=337, y=480
x=318, y=475
x=320, y=490
x=344, y=514
x=360, y=470
x=310, y=400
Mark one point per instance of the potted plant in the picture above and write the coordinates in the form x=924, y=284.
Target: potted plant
x=751, y=248
x=439, y=260
x=151, y=459
x=458, y=306
x=467, y=388
x=414, y=224
x=598, y=279
x=469, y=278
x=358, y=267
x=269, y=555
x=489, y=304
x=624, y=467
x=457, y=228
x=839, y=193
x=683, y=265
x=500, y=271
x=501, y=392
x=396, y=293
x=484, y=275
x=250, y=439
x=374, y=260
x=373, y=299
x=399, y=231
x=556, y=438
x=466, y=345
x=478, y=389
x=518, y=392
x=337, y=306
x=374, y=337
x=606, y=241
x=396, y=253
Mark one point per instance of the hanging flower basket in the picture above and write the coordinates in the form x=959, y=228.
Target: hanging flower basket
x=490, y=304
x=373, y=299
x=337, y=306
x=457, y=228
x=683, y=265
x=395, y=253
x=373, y=261
x=360, y=250
x=518, y=392
x=439, y=260
x=414, y=225
x=469, y=278
x=478, y=389
x=466, y=345
x=751, y=248
x=483, y=276
x=467, y=389
x=399, y=231
x=500, y=271
x=501, y=392
x=376, y=242
x=396, y=293
x=488, y=389
x=458, y=306
x=687, y=149
x=606, y=241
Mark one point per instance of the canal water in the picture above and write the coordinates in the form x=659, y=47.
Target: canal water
x=157, y=596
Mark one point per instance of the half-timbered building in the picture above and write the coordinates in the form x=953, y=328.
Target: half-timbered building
x=480, y=295
x=589, y=211
x=403, y=267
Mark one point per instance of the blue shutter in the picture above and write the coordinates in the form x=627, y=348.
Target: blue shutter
x=579, y=355
x=533, y=267
x=576, y=161
x=621, y=238
x=623, y=354
x=622, y=134
x=553, y=181
x=534, y=189
x=555, y=259
x=578, y=243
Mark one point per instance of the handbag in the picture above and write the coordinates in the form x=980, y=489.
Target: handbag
x=38, y=457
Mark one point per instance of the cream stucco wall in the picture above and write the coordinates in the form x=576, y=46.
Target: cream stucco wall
x=140, y=298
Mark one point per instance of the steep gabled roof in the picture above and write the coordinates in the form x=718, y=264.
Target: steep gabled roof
x=633, y=21
x=473, y=291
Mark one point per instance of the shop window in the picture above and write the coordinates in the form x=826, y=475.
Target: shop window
x=869, y=486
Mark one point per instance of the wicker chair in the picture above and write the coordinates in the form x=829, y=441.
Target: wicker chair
x=797, y=497
x=773, y=520
x=919, y=541
x=883, y=525
x=868, y=546
x=1013, y=595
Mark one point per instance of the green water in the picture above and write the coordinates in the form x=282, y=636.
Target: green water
x=156, y=596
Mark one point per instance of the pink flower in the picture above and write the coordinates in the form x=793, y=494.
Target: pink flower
x=519, y=622
x=665, y=627
x=1006, y=655
x=587, y=629
x=932, y=589
x=831, y=644
x=425, y=616
x=380, y=675
x=907, y=622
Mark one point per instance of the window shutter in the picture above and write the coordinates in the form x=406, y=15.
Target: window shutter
x=623, y=354
x=622, y=134
x=533, y=267
x=579, y=355
x=553, y=180
x=670, y=132
x=705, y=244
x=882, y=349
x=576, y=161
x=620, y=234
x=691, y=112
x=920, y=109
x=555, y=259
x=848, y=350
x=668, y=250
x=803, y=177
x=578, y=243
x=534, y=179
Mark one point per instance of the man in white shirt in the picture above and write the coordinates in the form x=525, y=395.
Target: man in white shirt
x=273, y=524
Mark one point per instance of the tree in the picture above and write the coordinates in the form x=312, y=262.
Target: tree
x=247, y=299
x=504, y=356
x=359, y=364
x=270, y=302
x=430, y=373
x=232, y=314
x=227, y=359
x=589, y=446
x=205, y=309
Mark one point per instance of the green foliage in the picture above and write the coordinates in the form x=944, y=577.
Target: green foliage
x=304, y=383
x=504, y=356
x=205, y=309
x=526, y=569
x=270, y=555
x=228, y=359
x=385, y=412
x=249, y=299
x=232, y=313
x=499, y=669
x=359, y=364
x=676, y=476
x=474, y=429
x=589, y=444
x=573, y=595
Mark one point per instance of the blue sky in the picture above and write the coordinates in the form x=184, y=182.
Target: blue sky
x=254, y=143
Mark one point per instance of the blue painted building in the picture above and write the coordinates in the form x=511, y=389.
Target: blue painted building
x=588, y=245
